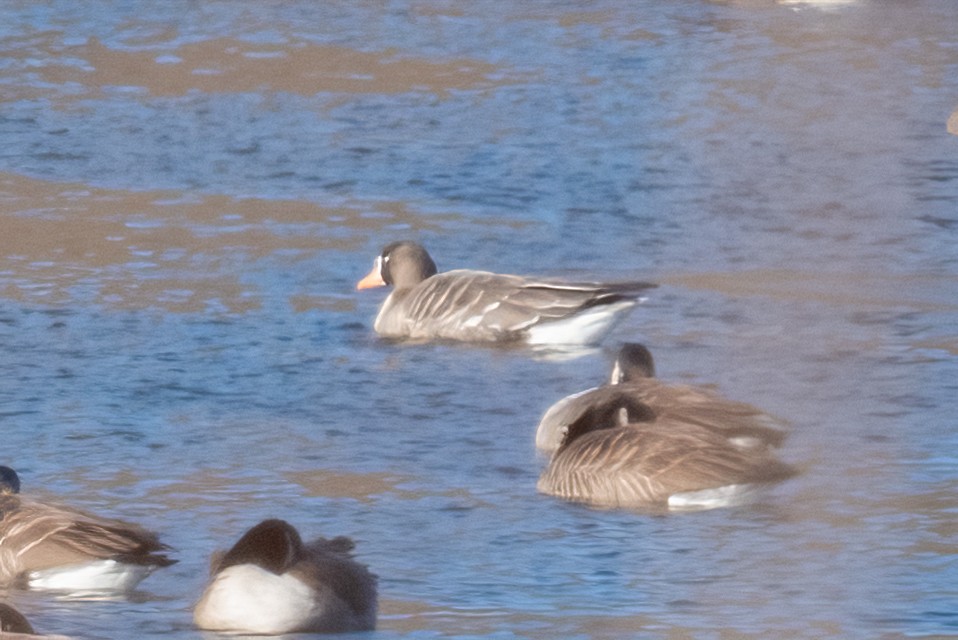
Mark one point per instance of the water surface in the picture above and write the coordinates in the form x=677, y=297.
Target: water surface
x=189, y=192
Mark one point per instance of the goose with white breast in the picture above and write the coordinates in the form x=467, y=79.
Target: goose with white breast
x=45, y=546
x=479, y=306
x=271, y=582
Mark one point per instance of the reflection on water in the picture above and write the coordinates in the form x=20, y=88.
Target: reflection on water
x=188, y=193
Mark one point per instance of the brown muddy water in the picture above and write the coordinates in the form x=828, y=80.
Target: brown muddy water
x=190, y=190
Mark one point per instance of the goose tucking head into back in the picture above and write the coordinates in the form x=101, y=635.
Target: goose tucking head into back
x=633, y=374
x=640, y=443
x=271, y=582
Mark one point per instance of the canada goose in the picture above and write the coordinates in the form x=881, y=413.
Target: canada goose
x=270, y=582
x=642, y=443
x=14, y=626
x=12, y=621
x=50, y=547
x=633, y=373
x=478, y=306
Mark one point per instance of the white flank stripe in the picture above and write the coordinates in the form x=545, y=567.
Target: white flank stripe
x=587, y=327
x=99, y=575
x=727, y=496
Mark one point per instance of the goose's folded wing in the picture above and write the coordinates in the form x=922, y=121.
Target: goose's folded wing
x=602, y=468
x=645, y=465
x=505, y=305
x=331, y=564
x=684, y=459
x=44, y=536
x=703, y=407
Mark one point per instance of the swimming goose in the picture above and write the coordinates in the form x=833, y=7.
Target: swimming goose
x=14, y=626
x=50, y=547
x=478, y=306
x=640, y=443
x=270, y=582
x=633, y=373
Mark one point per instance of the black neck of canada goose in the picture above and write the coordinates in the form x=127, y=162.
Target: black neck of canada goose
x=617, y=410
x=634, y=362
x=405, y=264
x=9, y=481
x=274, y=545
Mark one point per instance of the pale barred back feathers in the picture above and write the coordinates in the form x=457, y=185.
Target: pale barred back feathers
x=41, y=543
x=643, y=443
x=479, y=306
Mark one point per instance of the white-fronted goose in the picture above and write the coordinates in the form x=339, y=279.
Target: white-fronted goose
x=51, y=547
x=654, y=446
x=633, y=373
x=478, y=306
x=270, y=582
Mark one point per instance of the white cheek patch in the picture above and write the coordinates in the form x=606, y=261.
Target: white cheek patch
x=616, y=373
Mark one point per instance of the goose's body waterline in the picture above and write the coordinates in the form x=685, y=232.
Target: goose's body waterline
x=650, y=445
x=270, y=582
x=479, y=306
x=45, y=546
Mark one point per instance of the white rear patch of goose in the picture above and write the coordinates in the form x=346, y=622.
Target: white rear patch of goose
x=100, y=575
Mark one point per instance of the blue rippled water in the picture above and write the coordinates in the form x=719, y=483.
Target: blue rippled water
x=189, y=192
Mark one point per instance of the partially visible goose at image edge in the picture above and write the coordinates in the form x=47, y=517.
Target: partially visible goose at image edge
x=479, y=306
x=44, y=546
x=14, y=625
x=271, y=582
x=623, y=448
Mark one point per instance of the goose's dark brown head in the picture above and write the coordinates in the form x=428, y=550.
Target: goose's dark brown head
x=634, y=362
x=273, y=544
x=9, y=481
x=402, y=265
